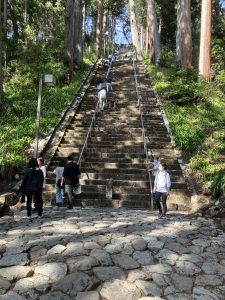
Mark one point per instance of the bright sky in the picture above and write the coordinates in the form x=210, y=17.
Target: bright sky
x=120, y=38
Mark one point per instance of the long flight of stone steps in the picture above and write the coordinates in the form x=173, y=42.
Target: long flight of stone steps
x=114, y=164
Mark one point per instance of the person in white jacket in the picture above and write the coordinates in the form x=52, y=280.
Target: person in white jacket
x=102, y=95
x=161, y=189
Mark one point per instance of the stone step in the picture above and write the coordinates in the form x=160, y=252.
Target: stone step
x=100, y=135
x=108, y=128
x=60, y=154
x=103, y=144
x=176, y=175
x=102, y=189
x=131, y=204
x=132, y=170
x=103, y=160
x=78, y=128
x=171, y=163
x=123, y=149
x=100, y=155
x=117, y=138
x=107, y=165
x=78, y=141
x=108, y=174
x=128, y=119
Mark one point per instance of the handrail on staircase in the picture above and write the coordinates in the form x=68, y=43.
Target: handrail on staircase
x=91, y=125
x=143, y=133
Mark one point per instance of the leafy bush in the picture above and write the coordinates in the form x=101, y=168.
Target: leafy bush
x=167, y=58
x=218, y=184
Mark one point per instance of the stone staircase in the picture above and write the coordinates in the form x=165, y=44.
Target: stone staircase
x=113, y=165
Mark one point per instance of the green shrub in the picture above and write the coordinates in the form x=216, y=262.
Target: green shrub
x=218, y=183
x=167, y=58
x=220, y=80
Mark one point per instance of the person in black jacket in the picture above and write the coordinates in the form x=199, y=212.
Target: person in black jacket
x=32, y=186
x=70, y=177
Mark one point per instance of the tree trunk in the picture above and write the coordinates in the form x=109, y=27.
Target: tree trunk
x=84, y=18
x=143, y=37
x=99, y=27
x=78, y=36
x=183, y=37
x=205, y=41
x=134, y=28
x=104, y=31
x=25, y=11
x=154, y=37
x=1, y=69
x=69, y=36
x=147, y=38
x=5, y=12
x=113, y=32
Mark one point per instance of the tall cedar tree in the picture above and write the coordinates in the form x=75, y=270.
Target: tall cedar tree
x=153, y=37
x=100, y=4
x=134, y=28
x=205, y=41
x=184, y=38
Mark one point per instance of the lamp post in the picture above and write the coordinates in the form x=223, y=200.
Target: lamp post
x=48, y=80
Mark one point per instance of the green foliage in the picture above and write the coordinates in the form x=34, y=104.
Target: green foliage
x=166, y=10
x=218, y=55
x=17, y=123
x=187, y=137
x=141, y=11
x=220, y=80
x=167, y=58
x=178, y=86
x=218, y=183
x=115, y=6
x=196, y=112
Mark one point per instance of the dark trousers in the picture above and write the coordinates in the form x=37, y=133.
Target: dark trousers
x=158, y=196
x=37, y=200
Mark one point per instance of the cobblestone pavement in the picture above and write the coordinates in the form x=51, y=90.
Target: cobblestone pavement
x=111, y=254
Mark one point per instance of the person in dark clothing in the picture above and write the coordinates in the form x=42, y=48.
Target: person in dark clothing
x=106, y=65
x=32, y=186
x=99, y=83
x=70, y=178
